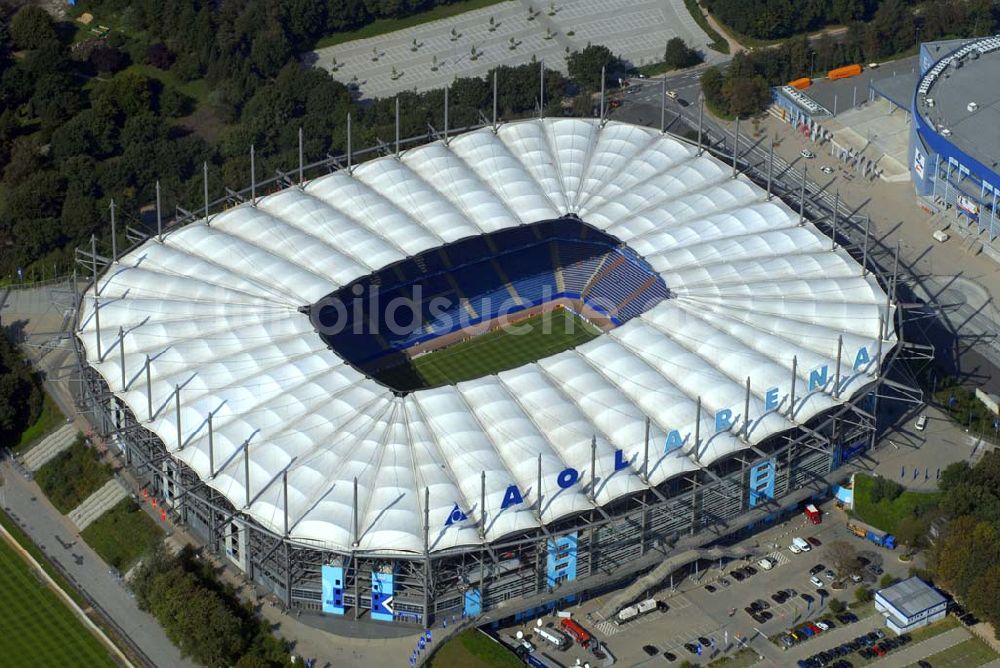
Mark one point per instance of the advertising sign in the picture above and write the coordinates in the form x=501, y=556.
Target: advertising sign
x=918, y=163
x=333, y=589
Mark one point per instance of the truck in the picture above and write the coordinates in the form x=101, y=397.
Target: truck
x=870, y=533
x=813, y=514
x=579, y=634
x=844, y=72
x=631, y=612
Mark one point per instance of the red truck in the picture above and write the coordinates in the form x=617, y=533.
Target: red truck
x=813, y=514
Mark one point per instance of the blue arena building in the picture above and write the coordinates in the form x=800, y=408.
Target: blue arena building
x=955, y=135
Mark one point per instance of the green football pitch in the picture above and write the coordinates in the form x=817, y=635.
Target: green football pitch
x=495, y=351
x=36, y=629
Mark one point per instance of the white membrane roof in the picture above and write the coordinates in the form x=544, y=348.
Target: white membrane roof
x=215, y=308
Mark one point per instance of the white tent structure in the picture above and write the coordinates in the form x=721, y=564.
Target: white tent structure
x=244, y=391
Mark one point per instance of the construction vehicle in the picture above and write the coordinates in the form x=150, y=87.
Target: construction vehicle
x=870, y=533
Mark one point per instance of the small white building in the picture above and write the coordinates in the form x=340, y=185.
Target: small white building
x=910, y=604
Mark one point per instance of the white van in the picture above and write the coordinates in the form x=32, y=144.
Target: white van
x=552, y=637
x=802, y=544
x=766, y=564
x=940, y=235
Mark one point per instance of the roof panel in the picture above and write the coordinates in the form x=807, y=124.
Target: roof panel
x=216, y=310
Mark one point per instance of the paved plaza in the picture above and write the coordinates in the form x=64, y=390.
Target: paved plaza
x=433, y=54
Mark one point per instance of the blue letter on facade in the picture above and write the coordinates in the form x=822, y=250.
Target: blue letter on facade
x=817, y=377
x=620, y=461
x=567, y=478
x=674, y=441
x=511, y=497
x=862, y=358
x=723, y=420
x=771, y=399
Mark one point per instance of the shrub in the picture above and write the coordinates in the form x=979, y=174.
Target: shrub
x=836, y=606
x=862, y=595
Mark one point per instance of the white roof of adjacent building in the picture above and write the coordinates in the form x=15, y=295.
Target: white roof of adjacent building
x=912, y=597
x=216, y=309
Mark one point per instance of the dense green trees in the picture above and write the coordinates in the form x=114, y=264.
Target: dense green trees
x=966, y=555
x=203, y=617
x=79, y=126
x=679, y=55
x=20, y=392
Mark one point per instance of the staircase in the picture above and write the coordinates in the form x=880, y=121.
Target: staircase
x=50, y=446
x=98, y=503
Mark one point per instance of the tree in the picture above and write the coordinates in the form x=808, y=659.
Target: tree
x=984, y=597
x=31, y=27
x=160, y=56
x=887, y=581
x=911, y=531
x=678, y=55
x=836, y=606
x=746, y=96
x=954, y=475
x=584, y=67
x=844, y=558
x=862, y=595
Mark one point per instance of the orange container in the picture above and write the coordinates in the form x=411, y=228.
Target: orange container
x=802, y=83
x=844, y=72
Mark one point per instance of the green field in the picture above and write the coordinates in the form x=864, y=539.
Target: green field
x=49, y=419
x=472, y=649
x=123, y=534
x=501, y=349
x=886, y=514
x=972, y=652
x=36, y=629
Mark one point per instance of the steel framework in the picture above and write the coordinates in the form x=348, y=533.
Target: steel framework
x=613, y=542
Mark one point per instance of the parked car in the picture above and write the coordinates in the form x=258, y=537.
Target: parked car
x=816, y=582
x=817, y=569
x=737, y=575
x=921, y=423
x=710, y=589
x=691, y=647
x=830, y=575
x=670, y=656
x=814, y=541
x=672, y=94
x=724, y=582
x=806, y=153
x=750, y=571
x=705, y=642
x=650, y=650
x=826, y=170
x=794, y=549
x=766, y=564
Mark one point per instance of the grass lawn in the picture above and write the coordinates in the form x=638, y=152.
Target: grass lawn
x=472, y=649
x=36, y=629
x=198, y=89
x=526, y=341
x=72, y=476
x=383, y=26
x=885, y=514
x=122, y=535
x=972, y=652
x=49, y=420
x=741, y=659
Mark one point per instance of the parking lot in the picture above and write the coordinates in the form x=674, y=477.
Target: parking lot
x=433, y=54
x=701, y=605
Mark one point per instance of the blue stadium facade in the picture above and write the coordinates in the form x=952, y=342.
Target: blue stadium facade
x=955, y=133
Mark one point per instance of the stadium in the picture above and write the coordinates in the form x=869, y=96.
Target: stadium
x=613, y=346
x=954, y=142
